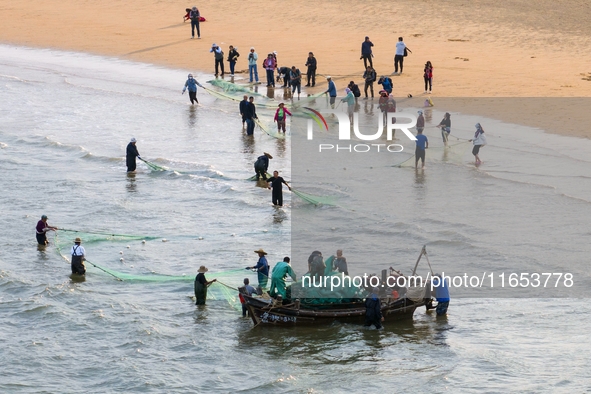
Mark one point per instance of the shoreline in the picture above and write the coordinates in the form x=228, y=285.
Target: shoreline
x=470, y=75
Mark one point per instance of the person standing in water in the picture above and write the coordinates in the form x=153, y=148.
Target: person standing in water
x=373, y=310
x=280, y=272
x=445, y=125
x=42, y=229
x=191, y=85
x=132, y=153
x=479, y=141
x=280, y=116
x=340, y=263
x=276, y=184
x=332, y=91
x=201, y=285
x=78, y=256
x=262, y=268
x=422, y=143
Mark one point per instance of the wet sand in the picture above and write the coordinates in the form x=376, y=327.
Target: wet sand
x=478, y=49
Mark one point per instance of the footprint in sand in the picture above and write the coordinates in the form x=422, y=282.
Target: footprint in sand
x=462, y=58
x=586, y=77
x=457, y=40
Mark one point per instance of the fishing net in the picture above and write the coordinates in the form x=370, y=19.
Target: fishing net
x=269, y=130
x=228, y=86
x=254, y=177
x=316, y=200
x=313, y=292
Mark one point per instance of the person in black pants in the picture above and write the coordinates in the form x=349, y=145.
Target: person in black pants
x=366, y=52
x=131, y=154
x=249, y=115
x=276, y=184
x=311, y=64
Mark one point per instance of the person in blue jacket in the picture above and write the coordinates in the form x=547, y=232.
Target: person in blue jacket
x=366, y=52
x=262, y=268
x=441, y=285
x=191, y=85
x=332, y=90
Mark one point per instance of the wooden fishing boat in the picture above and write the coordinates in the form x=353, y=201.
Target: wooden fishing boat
x=269, y=311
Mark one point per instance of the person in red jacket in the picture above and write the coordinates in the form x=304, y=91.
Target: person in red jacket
x=280, y=116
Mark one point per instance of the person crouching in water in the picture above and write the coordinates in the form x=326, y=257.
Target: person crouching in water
x=201, y=285
x=78, y=258
x=479, y=141
x=280, y=116
x=373, y=310
x=262, y=165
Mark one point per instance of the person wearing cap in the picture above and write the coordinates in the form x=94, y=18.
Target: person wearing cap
x=262, y=165
x=332, y=90
x=191, y=85
x=201, y=285
x=350, y=100
x=194, y=16
x=252, y=65
x=370, y=77
x=373, y=309
x=422, y=143
x=280, y=116
x=262, y=268
x=401, y=52
x=311, y=63
x=479, y=141
x=270, y=64
x=232, y=59
x=42, y=229
x=219, y=58
x=78, y=256
x=386, y=83
x=445, y=126
x=248, y=290
x=250, y=114
x=277, y=185
x=280, y=272
x=131, y=154
x=366, y=52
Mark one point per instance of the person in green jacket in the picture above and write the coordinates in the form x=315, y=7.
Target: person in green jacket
x=350, y=100
x=280, y=272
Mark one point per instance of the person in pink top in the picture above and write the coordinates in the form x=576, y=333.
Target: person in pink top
x=280, y=116
x=270, y=64
x=428, y=76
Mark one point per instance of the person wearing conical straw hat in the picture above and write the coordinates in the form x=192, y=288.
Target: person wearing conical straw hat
x=262, y=268
x=201, y=285
x=262, y=165
x=78, y=256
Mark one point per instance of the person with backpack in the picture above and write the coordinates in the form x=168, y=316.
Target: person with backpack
x=262, y=165
x=370, y=77
x=295, y=77
x=270, y=64
x=249, y=115
x=219, y=58
x=386, y=83
x=401, y=52
x=232, y=58
x=194, y=16
x=355, y=89
x=428, y=76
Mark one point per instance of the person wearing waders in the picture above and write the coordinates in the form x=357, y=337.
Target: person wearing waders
x=78, y=258
x=276, y=184
x=201, y=285
x=373, y=310
x=262, y=165
x=191, y=85
x=132, y=153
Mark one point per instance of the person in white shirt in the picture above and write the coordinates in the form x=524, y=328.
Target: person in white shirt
x=78, y=253
x=479, y=141
x=401, y=50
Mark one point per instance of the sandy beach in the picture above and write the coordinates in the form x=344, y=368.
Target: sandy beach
x=483, y=49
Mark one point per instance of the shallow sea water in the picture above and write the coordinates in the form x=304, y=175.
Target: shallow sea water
x=65, y=121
